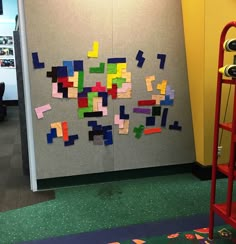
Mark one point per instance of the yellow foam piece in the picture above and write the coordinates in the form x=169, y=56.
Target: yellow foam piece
x=58, y=127
x=94, y=52
x=162, y=87
x=74, y=79
x=72, y=92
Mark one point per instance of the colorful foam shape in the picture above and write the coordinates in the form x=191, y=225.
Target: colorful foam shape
x=98, y=87
x=108, y=140
x=122, y=113
x=82, y=102
x=55, y=92
x=142, y=110
x=162, y=58
x=138, y=241
x=156, y=110
x=94, y=52
x=125, y=129
x=150, y=121
x=70, y=67
x=51, y=135
x=93, y=114
x=40, y=110
x=103, y=109
x=151, y=131
x=104, y=96
x=118, y=121
x=52, y=74
x=113, y=91
x=72, y=92
x=111, y=68
x=78, y=65
x=146, y=102
x=62, y=71
x=116, y=60
x=36, y=63
x=92, y=123
x=91, y=95
x=81, y=81
x=62, y=90
x=118, y=81
x=84, y=92
x=81, y=111
x=71, y=140
x=58, y=127
x=65, y=131
x=65, y=82
x=107, y=127
x=140, y=59
x=162, y=87
x=138, y=131
x=164, y=117
x=170, y=92
x=158, y=98
x=175, y=126
x=167, y=101
x=99, y=69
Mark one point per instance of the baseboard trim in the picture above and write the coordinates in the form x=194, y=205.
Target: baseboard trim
x=203, y=172
x=52, y=183
x=10, y=102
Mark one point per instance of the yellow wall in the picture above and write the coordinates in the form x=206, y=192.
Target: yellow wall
x=203, y=23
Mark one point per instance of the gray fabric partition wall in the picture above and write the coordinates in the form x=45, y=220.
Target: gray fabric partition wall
x=128, y=30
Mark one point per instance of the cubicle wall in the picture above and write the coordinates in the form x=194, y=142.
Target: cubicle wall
x=108, y=86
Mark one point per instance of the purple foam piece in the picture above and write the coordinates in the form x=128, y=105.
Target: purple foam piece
x=142, y=110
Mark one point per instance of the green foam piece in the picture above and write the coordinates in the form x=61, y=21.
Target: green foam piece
x=81, y=81
x=81, y=112
x=91, y=95
x=119, y=81
x=138, y=131
x=99, y=69
x=111, y=68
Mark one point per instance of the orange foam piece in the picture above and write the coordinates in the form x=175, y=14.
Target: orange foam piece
x=151, y=131
x=137, y=241
x=64, y=126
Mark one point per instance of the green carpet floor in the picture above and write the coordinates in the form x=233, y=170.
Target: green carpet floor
x=107, y=205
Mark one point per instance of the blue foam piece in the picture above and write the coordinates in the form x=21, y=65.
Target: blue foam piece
x=70, y=67
x=92, y=123
x=175, y=126
x=116, y=60
x=164, y=117
x=54, y=132
x=107, y=135
x=85, y=92
x=107, y=127
x=78, y=65
x=36, y=63
x=140, y=59
x=162, y=58
x=97, y=128
x=49, y=138
x=104, y=96
x=62, y=71
x=150, y=121
x=167, y=101
x=108, y=142
x=122, y=113
x=71, y=140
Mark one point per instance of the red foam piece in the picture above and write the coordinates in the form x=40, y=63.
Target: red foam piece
x=64, y=126
x=113, y=91
x=146, y=102
x=98, y=87
x=82, y=102
x=65, y=82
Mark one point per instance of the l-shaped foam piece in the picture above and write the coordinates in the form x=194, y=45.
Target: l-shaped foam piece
x=122, y=113
x=99, y=69
x=36, y=63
